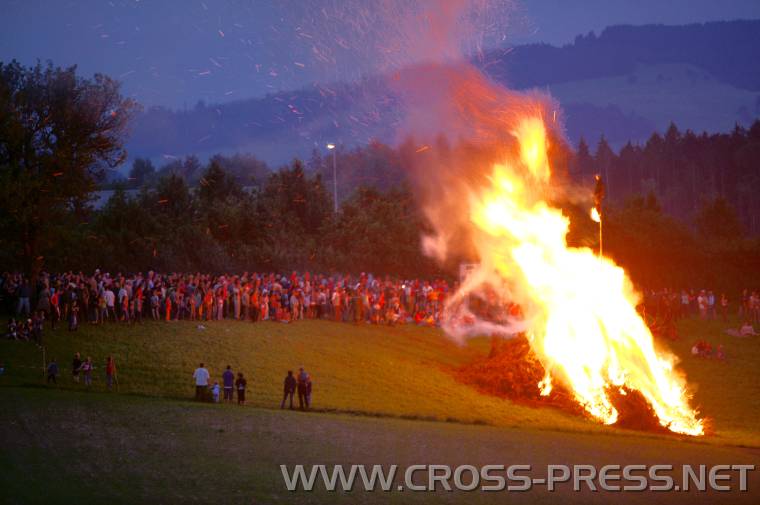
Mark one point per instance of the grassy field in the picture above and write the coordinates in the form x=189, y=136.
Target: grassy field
x=401, y=372
x=76, y=447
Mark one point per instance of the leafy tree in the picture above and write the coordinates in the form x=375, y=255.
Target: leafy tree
x=717, y=221
x=229, y=212
x=216, y=185
x=124, y=234
x=142, y=172
x=245, y=169
x=294, y=209
x=58, y=132
x=604, y=161
x=653, y=247
x=380, y=232
x=583, y=162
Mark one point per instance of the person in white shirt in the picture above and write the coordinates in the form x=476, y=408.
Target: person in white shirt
x=201, y=376
x=110, y=298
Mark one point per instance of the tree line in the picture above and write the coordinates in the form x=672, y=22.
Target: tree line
x=59, y=135
x=685, y=170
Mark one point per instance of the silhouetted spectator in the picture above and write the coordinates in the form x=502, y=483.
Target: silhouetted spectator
x=76, y=366
x=240, y=384
x=289, y=389
x=228, y=378
x=302, y=388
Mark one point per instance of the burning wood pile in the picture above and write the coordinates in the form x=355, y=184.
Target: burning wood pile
x=512, y=371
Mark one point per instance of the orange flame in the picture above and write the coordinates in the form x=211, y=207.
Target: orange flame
x=580, y=309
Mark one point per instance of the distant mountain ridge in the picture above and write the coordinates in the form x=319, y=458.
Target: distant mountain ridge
x=625, y=83
x=729, y=50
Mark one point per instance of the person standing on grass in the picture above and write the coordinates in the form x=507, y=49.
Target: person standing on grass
x=110, y=372
x=55, y=310
x=110, y=299
x=24, y=292
x=74, y=316
x=52, y=372
x=240, y=384
x=308, y=391
x=87, y=371
x=289, y=389
x=76, y=366
x=228, y=379
x=201, y=376
x=302, y=388
x=724, y=307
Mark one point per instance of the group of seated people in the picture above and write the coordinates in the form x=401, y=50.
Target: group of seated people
x=704, y=349
x=26, y=329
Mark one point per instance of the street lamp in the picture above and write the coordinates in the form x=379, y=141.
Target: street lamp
x=331, y=147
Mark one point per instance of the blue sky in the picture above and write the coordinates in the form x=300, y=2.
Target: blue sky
x=176, y=52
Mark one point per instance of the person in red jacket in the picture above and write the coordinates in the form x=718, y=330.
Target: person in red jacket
x=110, y=372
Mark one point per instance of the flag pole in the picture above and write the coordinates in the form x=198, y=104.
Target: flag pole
x=598, y=197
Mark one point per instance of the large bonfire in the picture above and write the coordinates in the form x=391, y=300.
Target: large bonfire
x=578, y=310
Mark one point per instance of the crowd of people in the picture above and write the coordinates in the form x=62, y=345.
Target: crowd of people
x=76, y=298
x=677, y=304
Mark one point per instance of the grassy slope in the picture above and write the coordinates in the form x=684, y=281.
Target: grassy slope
x=399, y=372
x=74, y=447
x=662, y=93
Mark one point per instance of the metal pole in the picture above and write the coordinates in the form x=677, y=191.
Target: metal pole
x=598, y=197
x=601, y=249
x=335, y=179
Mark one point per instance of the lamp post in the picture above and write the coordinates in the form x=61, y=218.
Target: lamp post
x=331, y=147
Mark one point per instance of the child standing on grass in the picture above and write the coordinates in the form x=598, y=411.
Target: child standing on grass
x=74, y=316
x=215, y=392
x=87, y=371
x=240, y=384
x=52, y=372
x=154, y=305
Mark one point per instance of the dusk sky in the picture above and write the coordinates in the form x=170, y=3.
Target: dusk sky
x=175, y=53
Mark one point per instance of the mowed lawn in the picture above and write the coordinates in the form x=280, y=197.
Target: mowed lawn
x=400, y=372
x=78, y=447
